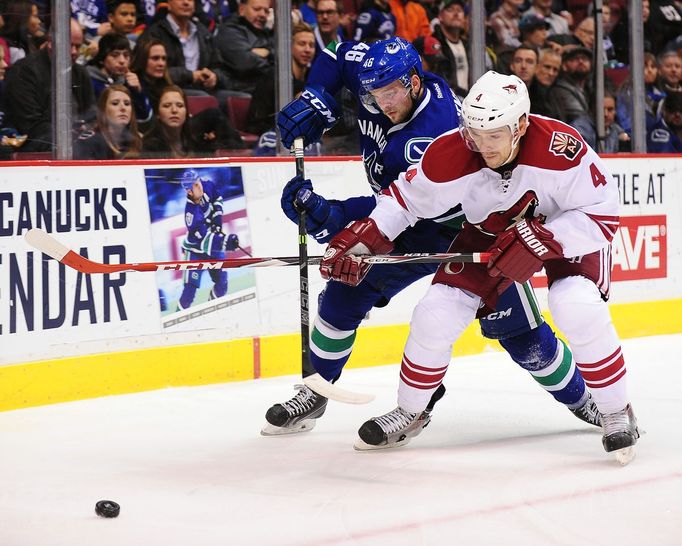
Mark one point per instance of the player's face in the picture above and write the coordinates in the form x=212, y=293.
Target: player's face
x=172, y=111
x=197, y=191
x=117, y=62
x=124, y=18
x=119, y=109
x=493, y=145
x=156, y=62
x=395, y=101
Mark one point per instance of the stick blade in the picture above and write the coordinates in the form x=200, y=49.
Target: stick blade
x=323, y=387
x=47, y=244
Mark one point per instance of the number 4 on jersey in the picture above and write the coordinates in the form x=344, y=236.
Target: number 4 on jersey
x=598, y=179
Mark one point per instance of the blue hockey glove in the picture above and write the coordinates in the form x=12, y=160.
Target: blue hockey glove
x=324, y=218
x=308, y=116
x=231, y=242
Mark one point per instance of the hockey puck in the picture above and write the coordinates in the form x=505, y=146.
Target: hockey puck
x=107, y=509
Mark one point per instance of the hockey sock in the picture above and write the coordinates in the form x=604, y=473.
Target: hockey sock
x=550, y=362
x=330, y=348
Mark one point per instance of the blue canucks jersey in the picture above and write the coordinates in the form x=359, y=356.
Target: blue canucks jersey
x=374, y=24
x=388, y=149
x=204, y=222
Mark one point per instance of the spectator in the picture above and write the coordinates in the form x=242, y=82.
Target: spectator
x=307, y=9
x=150, y=65
x=112, y=65
x=174, y=134
x=374, y=22
x=328, y=27
x=670, y=72
x=246, y=45
x=22, y=30
x=505, y=24
x=664, y=24
x=115, y=135
x=546, y=74
x=10, y=139
x=411, y=20
x=450, y=31
x=91, y=15
x=620, y=33
x=524, y=63
x=666, y=135
x=558, y=23
x=122, y=16
x=607, y=27
x=571, y=92
x=431, y=52
x=615, y=138
x=584, y=32
x=29, y=93
x=262, y=111
x=212, y=13
x=653, y=96
x=534, y=29
x=191, y=56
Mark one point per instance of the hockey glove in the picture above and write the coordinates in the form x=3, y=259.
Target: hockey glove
x=341, y=261
x=520, y=251
x=231, y=242
x=308, y=116
x=324, y=218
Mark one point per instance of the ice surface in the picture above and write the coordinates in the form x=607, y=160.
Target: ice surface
x=501, y=463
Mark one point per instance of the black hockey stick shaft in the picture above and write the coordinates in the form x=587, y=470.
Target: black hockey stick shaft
x=306, y=366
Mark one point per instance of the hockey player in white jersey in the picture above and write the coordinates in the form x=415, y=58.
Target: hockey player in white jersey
x=535, y=195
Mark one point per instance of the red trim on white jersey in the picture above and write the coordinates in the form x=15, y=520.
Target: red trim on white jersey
x=394, y=192
x=607, y=224
x=447, y=158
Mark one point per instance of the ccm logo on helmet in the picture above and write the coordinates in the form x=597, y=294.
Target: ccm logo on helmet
x=319, y=106
x=529, y=238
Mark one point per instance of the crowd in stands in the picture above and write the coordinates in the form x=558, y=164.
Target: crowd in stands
x=155, y=78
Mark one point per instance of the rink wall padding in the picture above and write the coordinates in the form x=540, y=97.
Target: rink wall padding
x=67, y=336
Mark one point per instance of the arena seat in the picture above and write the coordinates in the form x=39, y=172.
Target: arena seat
x=237, y=112
x=198, y=104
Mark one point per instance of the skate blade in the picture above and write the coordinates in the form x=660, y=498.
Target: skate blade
x=361, y=445
x=302, y=426
x=625, y=455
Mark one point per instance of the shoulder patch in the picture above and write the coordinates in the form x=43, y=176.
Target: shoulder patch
x=660, y=135
x=564, y=144
x=415, y=148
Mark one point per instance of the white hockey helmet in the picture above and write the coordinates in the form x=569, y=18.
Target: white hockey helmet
x=494, y=101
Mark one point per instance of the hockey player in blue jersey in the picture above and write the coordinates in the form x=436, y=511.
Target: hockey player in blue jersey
x=403, y=110
x=205, y=237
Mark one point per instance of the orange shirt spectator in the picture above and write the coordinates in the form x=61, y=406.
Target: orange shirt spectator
x=411, y=19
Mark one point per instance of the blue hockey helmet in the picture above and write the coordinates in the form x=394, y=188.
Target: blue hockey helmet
x=188, y=179
x=388, y=61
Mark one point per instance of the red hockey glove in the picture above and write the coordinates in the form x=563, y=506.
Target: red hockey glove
x=341, y=261
x=521, y=250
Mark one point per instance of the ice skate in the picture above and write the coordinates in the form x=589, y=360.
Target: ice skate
x=588, y=412
x=395, y=428
x=620, y=434
x=298, y=414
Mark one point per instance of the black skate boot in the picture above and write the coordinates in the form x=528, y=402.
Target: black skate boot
x=395, y=428
x=620, y=434
x=295, y=415
x=588, y=412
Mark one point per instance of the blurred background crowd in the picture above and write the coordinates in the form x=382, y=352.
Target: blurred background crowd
x=196, y=78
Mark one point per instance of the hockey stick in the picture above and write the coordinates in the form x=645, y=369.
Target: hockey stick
x=47, y=244
x=311, y=378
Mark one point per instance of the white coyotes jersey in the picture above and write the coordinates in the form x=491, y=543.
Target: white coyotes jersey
x=556, y=176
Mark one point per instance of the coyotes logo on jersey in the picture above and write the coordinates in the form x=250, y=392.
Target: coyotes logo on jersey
x=565, y=144
x=497, y=222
